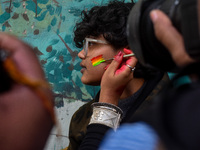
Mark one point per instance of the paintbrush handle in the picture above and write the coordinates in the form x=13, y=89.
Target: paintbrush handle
x=128, y=55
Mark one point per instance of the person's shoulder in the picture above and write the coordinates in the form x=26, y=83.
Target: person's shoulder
x=84, y=111
x=86, y=106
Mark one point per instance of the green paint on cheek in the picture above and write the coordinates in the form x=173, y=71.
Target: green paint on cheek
x=97, y=63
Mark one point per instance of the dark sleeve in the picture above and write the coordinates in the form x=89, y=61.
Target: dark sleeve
x=94, y=136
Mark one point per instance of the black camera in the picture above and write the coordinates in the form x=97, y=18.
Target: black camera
x=149, y=51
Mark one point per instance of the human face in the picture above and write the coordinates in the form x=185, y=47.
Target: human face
x=96, y=46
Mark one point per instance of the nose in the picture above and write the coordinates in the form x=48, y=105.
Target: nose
x=81, y=54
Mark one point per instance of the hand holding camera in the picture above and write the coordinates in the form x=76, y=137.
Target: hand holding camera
x=183, y=15
x=170, y=38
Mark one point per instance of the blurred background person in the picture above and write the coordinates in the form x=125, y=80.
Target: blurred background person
x=25, y=121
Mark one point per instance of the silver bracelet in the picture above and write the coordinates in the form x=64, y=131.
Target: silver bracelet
x=106, y=115
x=109, y=106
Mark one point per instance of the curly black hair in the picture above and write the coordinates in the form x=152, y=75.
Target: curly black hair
x=110, y=21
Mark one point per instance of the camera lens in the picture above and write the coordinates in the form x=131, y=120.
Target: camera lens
x=149, y=51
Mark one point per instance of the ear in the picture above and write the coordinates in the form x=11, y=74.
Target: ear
x=122, y=49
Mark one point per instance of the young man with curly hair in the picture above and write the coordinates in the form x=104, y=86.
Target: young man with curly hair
x=102, y=31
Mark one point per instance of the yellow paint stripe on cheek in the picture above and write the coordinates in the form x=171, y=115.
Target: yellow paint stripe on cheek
x=97, y=60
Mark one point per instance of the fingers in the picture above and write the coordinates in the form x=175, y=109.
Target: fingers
x=12, y=44
x=115, y=68
x=127, y=51
x=169, y=37
x=127, y=64
x=115, y=63
x=23, y=56
x=165, y=31
x=131, y=60
x=9, y=42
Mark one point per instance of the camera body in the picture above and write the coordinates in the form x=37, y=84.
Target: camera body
x=143, y=42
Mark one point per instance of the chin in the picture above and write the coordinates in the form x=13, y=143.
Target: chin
x=92, y=83
x=85, y=82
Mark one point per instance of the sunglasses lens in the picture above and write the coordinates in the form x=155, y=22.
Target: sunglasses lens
x=85, y=47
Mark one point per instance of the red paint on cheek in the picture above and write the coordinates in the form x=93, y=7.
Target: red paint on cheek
x=96, y=57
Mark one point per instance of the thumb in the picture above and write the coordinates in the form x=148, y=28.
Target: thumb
x=167, y=37
x=170, y=37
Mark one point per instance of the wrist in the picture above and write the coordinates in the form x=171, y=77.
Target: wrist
x=109, y=97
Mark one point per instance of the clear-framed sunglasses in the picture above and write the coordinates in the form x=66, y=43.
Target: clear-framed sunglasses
x=87, y=40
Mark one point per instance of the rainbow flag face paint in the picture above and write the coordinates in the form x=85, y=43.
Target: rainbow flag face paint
x=97, y=60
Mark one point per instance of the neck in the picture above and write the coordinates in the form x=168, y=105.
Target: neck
x=133, y=86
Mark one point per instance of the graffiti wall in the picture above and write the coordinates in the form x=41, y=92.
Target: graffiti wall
x=47, y=25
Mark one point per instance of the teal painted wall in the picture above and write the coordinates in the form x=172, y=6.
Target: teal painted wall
x=47, y=25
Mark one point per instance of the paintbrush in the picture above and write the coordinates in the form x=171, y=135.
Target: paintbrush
x=99, y=59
